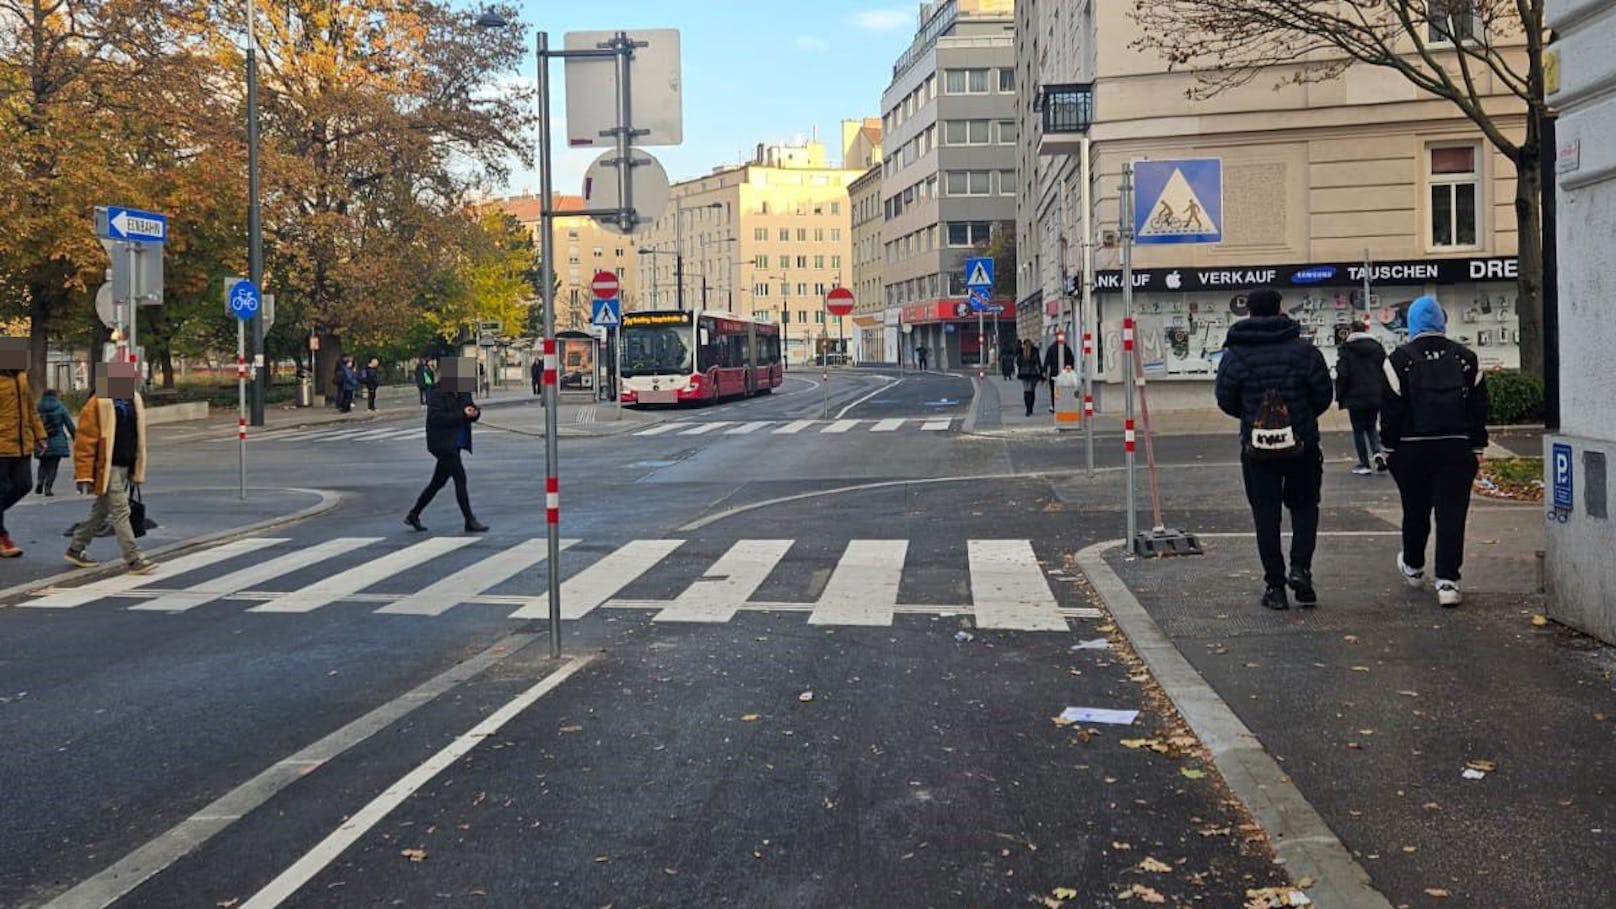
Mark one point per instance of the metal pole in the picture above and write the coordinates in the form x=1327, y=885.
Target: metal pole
x=255, y=223
x=552, y=456
x=1128, y=378
x=1089, y=327
x=241, y=403
x=135, y=289
x=679, y=252
x=1368, y=265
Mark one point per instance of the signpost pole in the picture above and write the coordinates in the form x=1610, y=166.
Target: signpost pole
x=241, y=403
x=134, y=297
x=552, y=486
x=1088, y=316
x=1128, y=353
x=255, y=221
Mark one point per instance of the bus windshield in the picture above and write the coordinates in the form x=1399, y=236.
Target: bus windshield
x=656, y=350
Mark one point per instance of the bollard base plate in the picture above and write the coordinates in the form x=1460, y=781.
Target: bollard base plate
x=1162, y=542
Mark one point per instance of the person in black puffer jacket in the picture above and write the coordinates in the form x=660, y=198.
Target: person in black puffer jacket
x=1360, y=383
x=1276, y=384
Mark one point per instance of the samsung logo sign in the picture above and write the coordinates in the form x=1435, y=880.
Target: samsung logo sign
x=1313, y=275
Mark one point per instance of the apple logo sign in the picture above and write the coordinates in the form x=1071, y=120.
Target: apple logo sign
x=1174, y=280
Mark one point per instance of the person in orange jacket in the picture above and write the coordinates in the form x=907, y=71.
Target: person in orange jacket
x=22, y=434
x=109, y=457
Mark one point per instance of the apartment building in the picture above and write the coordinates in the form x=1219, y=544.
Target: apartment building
x=767, y=238
x=874, y=340
x=1316, y=178
x=948, y=170
x=583, y=248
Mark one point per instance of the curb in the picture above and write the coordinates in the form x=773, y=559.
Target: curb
x=328, y=501
x=1300, y=837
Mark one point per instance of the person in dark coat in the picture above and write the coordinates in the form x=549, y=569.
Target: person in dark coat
x=537, y=372
x=423, y=378
x=1276, y=384
x=920, y=356
x=1433, y=422
x=1360, y=383
x=1007, y=359
x=1056, y=358
x=450, y=414
x=59, y=432
x=371, y=378
x=1030, y=370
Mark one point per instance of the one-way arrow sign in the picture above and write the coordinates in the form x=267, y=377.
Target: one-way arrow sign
x=114, y=222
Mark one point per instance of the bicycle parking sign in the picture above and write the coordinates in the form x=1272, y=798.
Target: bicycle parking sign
x=1179, y=201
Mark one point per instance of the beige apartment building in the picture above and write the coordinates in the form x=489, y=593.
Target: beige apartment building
x=1316, y=178
x=583, y=248
x=869, y=305
x=768, y=238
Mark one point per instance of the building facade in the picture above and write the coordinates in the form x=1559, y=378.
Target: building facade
x=1316, y=179
x=948, y=172
x=583, y=248
x=1578, y=452
x=768, y=239
x=874, y=341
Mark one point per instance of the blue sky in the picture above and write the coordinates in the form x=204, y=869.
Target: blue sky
x=754, y=71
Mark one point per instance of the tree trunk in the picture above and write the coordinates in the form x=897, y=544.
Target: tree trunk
x=1529, y=283
x=167, y=362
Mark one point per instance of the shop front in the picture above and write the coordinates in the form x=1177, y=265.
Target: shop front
x=948, y=330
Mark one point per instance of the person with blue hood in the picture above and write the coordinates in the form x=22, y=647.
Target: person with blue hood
x=1276, y=385
x=1433, y=427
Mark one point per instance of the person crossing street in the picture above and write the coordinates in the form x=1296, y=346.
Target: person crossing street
x=450, y=414
x=22, y=434
x=109, y=461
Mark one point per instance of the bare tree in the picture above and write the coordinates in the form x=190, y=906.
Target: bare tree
x=1462, y=51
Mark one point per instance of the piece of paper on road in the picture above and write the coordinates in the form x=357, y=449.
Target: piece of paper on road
x=1099, y=715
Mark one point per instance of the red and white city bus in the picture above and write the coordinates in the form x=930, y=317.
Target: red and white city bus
x=675, y=357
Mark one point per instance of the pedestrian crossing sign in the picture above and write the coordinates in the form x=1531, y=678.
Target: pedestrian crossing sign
x=979, y=272
x=607, y=313
x=1179, y=201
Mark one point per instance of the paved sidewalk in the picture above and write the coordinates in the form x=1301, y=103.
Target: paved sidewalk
x=1377, y=702
x=186, y=516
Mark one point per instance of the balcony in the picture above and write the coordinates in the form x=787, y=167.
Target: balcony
x=1068, y=112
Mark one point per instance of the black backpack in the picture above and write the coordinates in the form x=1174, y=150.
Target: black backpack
x=1273, y=437
x=1436, y=386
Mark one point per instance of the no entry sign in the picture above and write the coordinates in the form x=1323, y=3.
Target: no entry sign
x=839, y=301
x=605, y=285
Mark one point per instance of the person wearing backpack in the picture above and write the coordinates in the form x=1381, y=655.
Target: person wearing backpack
x=1360, y=383
x=1433, y=427
x=1277, y=384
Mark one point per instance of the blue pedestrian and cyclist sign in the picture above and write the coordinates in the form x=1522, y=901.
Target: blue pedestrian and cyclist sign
x=607, y=313
x=244, y=300
x=1178, y=201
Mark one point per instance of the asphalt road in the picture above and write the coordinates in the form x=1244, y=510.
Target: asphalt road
x=825, y=637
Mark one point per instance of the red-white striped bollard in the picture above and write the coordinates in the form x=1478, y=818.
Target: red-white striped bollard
x=1127, y=347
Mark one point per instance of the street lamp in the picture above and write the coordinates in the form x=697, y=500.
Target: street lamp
x=653, y=252
x=255, y=222
x=785, y=313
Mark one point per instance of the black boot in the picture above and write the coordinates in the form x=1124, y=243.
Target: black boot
x=475, y=526
x=1275, y=598
x=1301, y=581
x=413, y=519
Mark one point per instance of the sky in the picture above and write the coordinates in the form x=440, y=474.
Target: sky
x=754, y=71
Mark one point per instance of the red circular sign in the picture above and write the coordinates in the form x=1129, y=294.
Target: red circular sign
x=605, y=285
x=839, y=301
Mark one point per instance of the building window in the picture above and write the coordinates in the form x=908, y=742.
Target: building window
x=760, y=290
x=802, y=316
x=835, y=235
x=1007, y=182
x=819, y=316
x=762, y=261
x=954, y=82
x=1007, y=80
x=967, y=233
x=760, y=234
x=835, y=261
x=802, y=261
x=1451, y=20
x=802, y=290
x=968, y=182
x=1455, y=181
x=785, y=261
x=819, y=261
x=1007, y=132
x=785, y=235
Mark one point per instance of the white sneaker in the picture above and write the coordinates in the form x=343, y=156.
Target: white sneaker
x=1447, y=593
x=1414, y=576
x=1362, y=471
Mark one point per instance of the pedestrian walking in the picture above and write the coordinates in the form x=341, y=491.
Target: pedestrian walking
x=1007, y=359
x=482, y=380
x=1433, y=424
x=22, y=435
x=423, y=378
x=371, y=378
x=1057, y=358
x=59, y=431
x=109, y=461
x=347, y=382
x=1360, y=383
x=1030, y=369
x=450, y=414
x=1276, y=384
x=920, y=356
x=537, y=373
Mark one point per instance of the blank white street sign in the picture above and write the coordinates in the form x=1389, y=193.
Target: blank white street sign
x=656, y=90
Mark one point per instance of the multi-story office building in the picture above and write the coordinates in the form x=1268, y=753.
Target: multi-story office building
x=583, y=248
x=874, y=341
x=767, y=238
x=1315, y=178
x=948, y=170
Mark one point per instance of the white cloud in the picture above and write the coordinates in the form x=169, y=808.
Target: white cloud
x=883, y=19
x=811, y=43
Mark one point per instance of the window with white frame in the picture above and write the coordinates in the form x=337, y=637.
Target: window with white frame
x=967, y=233
x=1007, y=80
x=1455, y=182
x=1451, y=20
x=968, y=182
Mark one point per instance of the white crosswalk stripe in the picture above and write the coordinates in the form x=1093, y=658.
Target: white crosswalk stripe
x=840, y=426
x=889, y=425
x=1009, y=590
x=704, y=428
x=795, y=427
x=746, y=428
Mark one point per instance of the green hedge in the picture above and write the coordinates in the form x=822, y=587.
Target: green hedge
x=1515, y=397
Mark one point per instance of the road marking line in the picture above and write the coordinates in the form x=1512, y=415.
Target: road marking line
x=380, y=434
x=145, y=862
x=123, y=583
x=587, y=589
x=1008, y=588
x=703, y=428
x=863, y=588
x=745, y=428
x=935, y=425
x=357, y=825
x=251, y=576
x=793, y=427
x=469, y=582
x=840, y=426
x=889, y=425
x=359, y=577
x=728, y=584
x=664, y=428
x=891, y=384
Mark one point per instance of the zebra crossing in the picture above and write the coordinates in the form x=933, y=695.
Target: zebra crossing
x=795, y=427
x=319, y=435
x=1009, y=589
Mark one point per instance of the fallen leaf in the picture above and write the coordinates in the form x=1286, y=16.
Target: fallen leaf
x=749, y=718
x=1121, y=847
x=1483, y=766
x=1106, y=628
x=1351, y=639
x=1306, y=882
x=414, y=855
x=1191, y=773
x=1064, y=893
x=1540, y=620
x=806, y=696
x=1360, y=669
x=1154, y=866
x=1411, y=849
x=1145, y=894
x=1437, y=892
x=1409, y=694
x=226, y=904
x=568, y=730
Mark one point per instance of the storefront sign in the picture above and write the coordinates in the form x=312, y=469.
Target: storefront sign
x=1244, y=277
x=952, y=310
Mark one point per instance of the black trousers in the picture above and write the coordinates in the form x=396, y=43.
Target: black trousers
x=1435, y=477
x=16, y=481
x=370, y=396
x=449, y=468
x=48, y=466
x=423, y=390
x=1272, y=487
x=538, y=385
